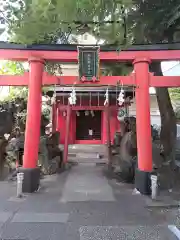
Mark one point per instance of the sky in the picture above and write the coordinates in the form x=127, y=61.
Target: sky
x=171, y=68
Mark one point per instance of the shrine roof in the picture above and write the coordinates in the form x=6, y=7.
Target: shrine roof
x=104, y=48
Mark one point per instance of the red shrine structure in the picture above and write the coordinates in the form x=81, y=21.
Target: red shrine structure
x=88, y=118
x=140, y=56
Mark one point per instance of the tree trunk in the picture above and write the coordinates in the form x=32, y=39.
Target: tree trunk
x=168, y=119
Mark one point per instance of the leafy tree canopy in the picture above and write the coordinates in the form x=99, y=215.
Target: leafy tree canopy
x=175, y=94
x=43, y=21
x=47, y=19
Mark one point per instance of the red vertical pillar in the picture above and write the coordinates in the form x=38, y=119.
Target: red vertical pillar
x=68, y=122
x=33, y=120
x=57, y=117
x=143, y=120
x=108, y=133
x=54, y=117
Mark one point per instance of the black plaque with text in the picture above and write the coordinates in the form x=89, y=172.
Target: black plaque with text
x=88, y=60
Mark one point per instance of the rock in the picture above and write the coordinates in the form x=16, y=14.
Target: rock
x=156, y=155
x=50, y=156
x=125, y=170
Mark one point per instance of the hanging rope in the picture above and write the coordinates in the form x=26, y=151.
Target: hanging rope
x=72, y=99
x=106, y=102
x=54, y=95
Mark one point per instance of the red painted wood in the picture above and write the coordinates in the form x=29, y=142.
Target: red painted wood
x=102, y=126
x=104, y=80
x=88, y=142
x=165, y=81
x=62, y=127
x=68, y=123
x=132, y=55
x=114, y=123
x=14, y=80
x=72, y=132
x=33, y=120
x=24, y=55
x=57, y=117
x=79, y=108
x=54, y=117
x=72, y=56
x=143, y=120
x=104, y=133
x=22, y=80
x=108, y=132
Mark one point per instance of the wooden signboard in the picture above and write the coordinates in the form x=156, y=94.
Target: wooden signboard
x=88, y=60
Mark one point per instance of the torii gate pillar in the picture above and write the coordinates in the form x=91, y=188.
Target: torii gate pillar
x=143, y=125
x=54, y=117
x=33, y=123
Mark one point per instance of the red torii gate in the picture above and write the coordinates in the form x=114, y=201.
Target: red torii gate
x=140, y=56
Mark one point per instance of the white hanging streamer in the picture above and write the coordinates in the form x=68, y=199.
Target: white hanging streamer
x=53, y=99
x=106, y=97
x=72, y=99
x=121, y=96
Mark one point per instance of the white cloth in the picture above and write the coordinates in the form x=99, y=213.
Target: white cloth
x=90, y=132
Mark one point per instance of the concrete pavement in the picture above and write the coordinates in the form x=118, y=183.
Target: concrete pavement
x=82, y=204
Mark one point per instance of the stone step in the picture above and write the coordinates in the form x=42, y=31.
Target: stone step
x=80, y=148
x=86, y=151
x=88, y=160
x=86, y=155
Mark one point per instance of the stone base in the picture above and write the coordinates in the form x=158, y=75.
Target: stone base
x=31, y=179
x=143, y=182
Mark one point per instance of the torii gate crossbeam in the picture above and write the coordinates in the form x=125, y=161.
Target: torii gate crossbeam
x=154, y=81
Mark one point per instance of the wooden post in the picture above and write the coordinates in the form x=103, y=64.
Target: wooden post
x=54, y=117
x=143, y=119
x=33, y=121
x=143, y=127
x=108, y=133
x=32, y=134
x=68, y=122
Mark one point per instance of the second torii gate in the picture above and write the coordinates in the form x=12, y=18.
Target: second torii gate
x=140, y=56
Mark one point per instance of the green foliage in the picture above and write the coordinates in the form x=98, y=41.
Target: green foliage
x=150, y=20
x=11, y=68
x=42, y=21
x=46, y=19
x=46, y=111
x=14, y=93
x=175, y=94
